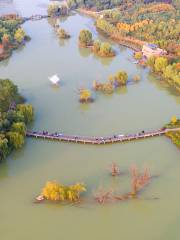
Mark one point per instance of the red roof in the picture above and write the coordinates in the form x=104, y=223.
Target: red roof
x=1, y=46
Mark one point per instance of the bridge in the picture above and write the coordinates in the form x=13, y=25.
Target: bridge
x=36, y=17
x=98, y=140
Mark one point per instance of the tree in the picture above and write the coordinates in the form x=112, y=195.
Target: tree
x=5, y=39
x=85, y=95
x=151, y=62
x=160, y=64
x=19, y=35
x=57, y=192
x=85, y=38
x=3, y=148
x=16, y=140
x=19, y=127
x=62, y=33
x=121, y=78
x=96, y=46
x=138, y=55
x=168, y=72
x=174, y=120
x=8, y=94
x=53, y=8
x=27, y=111
x=13, y=118
x=106, y=49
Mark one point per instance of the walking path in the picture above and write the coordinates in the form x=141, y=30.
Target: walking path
x=98, y=140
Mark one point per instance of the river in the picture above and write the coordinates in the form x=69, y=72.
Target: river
x=145, y=105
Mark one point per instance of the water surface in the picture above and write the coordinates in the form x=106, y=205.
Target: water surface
x=146, y=105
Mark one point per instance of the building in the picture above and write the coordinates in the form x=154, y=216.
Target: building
x=150, y=50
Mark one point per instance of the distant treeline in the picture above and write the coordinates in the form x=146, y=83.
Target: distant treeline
x=108, y=4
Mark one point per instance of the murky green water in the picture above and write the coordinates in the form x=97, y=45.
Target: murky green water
x=145, y=105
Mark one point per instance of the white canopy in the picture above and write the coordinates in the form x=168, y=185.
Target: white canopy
x=54, y=79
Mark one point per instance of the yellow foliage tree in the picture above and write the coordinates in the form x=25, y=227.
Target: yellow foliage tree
x=19, y=35
x=85, y=95
x=174, y=120
x=57, y=192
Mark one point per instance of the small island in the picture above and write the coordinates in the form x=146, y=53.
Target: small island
x=102, y=49
x=85, y=96
x=12, y=36
x=59, y=193
x=62, y=34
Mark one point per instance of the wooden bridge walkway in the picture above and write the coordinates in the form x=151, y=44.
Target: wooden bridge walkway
x=36, y=17
x=98, y=140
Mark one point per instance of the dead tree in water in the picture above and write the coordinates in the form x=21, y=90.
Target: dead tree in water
x=138, y=182
x=103, y=196
x=114, y=169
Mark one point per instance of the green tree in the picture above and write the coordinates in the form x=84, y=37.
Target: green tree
x=16, y=140
x=106, y=49
x=3, y=148
x=19, y=127
x=8, y=94
x=27, y=111
x=121, y=78
x=85, y=38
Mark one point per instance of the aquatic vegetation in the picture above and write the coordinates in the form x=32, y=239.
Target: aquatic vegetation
x=103, y=49
x=120, y=78
x=114, y=169
x=106, y=88
x=138, y=182
x=136, y=78
x=62, y=33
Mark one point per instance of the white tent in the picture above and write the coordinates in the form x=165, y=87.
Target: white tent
x=54, y=79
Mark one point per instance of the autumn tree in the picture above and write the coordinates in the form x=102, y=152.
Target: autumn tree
x=5, y=39
x=121, y=78
x=160, y=64
x=85, y=95
x=57, y=192
x=19, y=35
x=174, y=120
